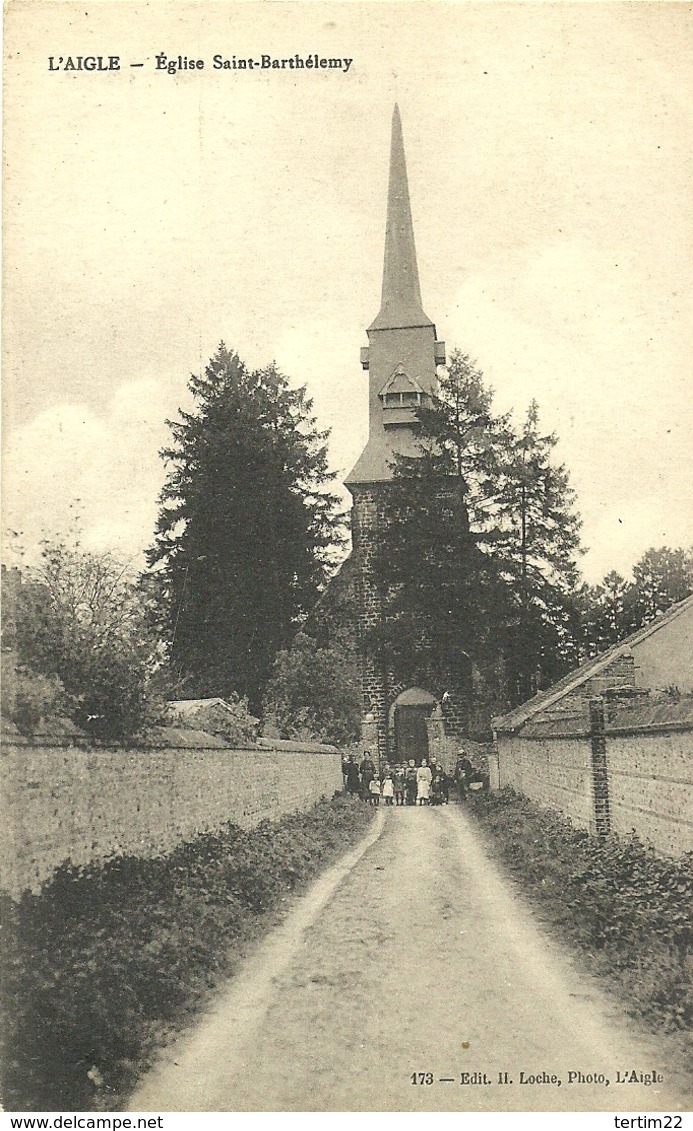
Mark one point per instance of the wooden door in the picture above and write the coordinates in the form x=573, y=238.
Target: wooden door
x=411, y=734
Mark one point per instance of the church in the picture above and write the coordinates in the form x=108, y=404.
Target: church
x=400, y=720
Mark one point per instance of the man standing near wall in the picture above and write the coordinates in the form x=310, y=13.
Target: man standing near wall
x=352, y=779
x=463, y=774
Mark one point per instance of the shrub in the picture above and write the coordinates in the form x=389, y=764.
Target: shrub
x=628, y=909
x=28, y=697
x=232, y=722
x=313, y=694
x=81, y=618
x=106, y=961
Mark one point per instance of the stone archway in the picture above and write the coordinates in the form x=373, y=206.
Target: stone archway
x=409, y=715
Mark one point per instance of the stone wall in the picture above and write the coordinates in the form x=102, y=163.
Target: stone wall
x=61, y=803
x=553, y=771
x=368, y=516
x=373, y=508
x=651, y=787
x=649, y=779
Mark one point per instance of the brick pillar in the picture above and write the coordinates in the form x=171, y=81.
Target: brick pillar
x=600, y=779
x=367, y=517
x=437, y=746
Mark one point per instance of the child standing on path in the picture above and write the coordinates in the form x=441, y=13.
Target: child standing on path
x=410, y=783
x=374, y=792
x=388, y=788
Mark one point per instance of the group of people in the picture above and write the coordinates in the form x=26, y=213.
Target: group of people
x=405, y=783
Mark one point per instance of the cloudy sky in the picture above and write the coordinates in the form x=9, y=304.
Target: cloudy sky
x=149, y=215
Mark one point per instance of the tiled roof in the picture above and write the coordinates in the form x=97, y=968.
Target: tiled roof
x=186, y=707
x=519, y=715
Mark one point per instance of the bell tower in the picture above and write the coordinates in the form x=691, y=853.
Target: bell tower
x=402, y=353
x=401, y=359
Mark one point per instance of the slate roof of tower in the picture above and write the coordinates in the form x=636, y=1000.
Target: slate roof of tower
x=400, y=304
x=377, y=460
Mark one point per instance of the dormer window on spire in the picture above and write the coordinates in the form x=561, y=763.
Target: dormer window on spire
x=402, y=352
x=399, y=396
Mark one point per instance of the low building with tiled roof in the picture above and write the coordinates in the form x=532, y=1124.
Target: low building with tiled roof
x=611, y=743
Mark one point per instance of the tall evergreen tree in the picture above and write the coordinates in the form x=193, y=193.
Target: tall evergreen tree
x=247, y=528
x=462, y=441
x=438, y=586
x=661, y=577
x=617, y=607
x=607, y=614
x=478, y=557
x=536, y=549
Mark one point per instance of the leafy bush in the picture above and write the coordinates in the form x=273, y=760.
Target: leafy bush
x=106, y=961
x=81, y=618
x=28, y=697
x=628, y=909
x=313, y=694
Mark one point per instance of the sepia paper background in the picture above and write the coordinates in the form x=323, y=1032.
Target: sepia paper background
x=147, y=216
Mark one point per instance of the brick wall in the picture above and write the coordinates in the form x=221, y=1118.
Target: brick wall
x=554, y=771
x=651, y=787
x=61, y=803
x=649, y=780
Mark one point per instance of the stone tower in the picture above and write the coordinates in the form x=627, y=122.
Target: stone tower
x=401, y=359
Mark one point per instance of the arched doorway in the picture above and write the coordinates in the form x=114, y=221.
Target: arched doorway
x=409, y=714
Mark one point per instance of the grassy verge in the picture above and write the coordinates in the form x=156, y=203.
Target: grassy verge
x=627, y=910
x=106, y=962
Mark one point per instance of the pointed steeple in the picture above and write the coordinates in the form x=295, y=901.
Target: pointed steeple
x=401, y=296
x=402, y=351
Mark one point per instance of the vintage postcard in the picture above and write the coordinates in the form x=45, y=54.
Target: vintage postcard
x=287, y=793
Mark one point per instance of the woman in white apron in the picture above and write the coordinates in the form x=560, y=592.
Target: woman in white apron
x=423, y=783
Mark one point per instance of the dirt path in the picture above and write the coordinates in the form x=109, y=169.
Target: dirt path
x=413, y=955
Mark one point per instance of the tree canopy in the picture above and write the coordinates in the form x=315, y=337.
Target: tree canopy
x=314, y=693
x=247, y=527
x=83, y=646
x=536, y=550
x=613, y=609
x=479, y=555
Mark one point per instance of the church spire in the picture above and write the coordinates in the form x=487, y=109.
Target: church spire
x=401, y=296
x=402, y=351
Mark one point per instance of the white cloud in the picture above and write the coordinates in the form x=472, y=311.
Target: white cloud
x=326, y=358
x=254, y=212
x=566, y=326
x=560, y=326
x=103, y=467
